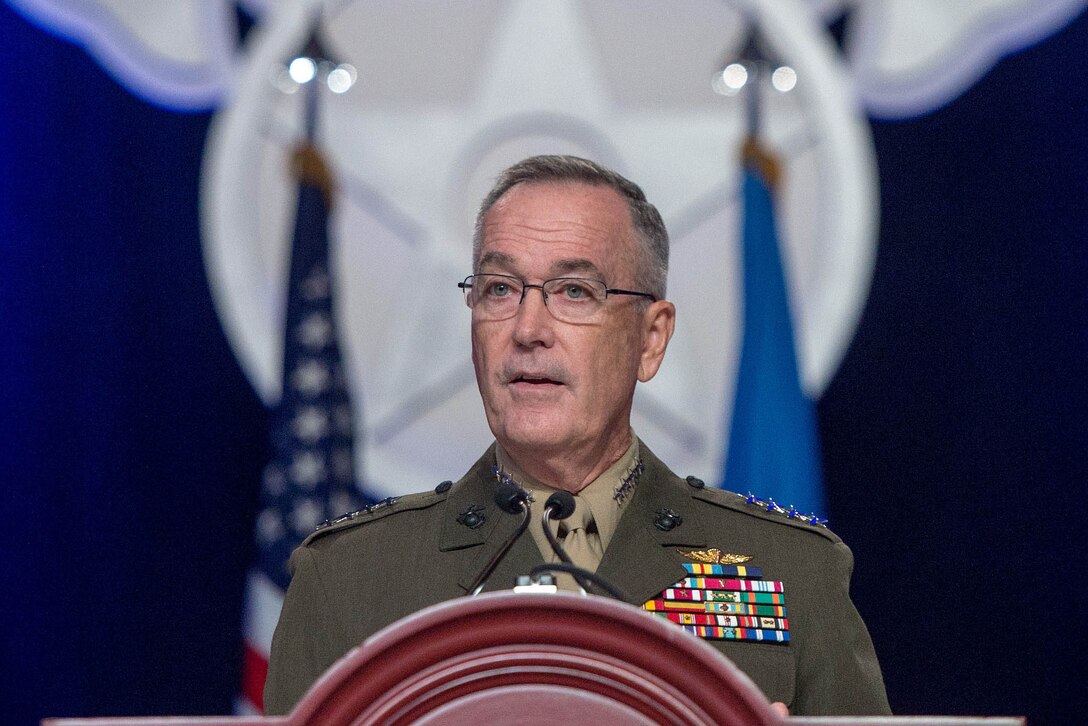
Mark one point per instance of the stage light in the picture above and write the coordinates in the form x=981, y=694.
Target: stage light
x=302, y=70
x=731, y=79
x=784, y=79
x=342, y=78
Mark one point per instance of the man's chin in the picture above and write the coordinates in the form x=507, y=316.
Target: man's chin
x=530, y=437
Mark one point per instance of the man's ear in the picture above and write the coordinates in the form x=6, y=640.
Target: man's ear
x=658, y=322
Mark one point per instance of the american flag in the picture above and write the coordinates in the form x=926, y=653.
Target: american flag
x=310, y=477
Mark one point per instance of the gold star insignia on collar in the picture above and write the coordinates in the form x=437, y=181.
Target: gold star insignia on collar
x=715, y=556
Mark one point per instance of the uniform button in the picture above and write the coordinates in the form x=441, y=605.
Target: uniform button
x=696, y=482
x=443, y=487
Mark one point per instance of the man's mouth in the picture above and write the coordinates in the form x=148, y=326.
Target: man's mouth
x=541, y=377
x=536, y=381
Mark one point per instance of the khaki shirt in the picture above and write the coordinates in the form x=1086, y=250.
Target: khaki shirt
x=606, y=497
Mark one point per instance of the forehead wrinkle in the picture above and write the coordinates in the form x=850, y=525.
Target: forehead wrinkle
x=558, y=230
x=506, y=222
x=577, y=264
x=577, y=225
x=559, y=268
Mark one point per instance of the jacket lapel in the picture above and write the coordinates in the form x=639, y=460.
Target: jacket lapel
x=475, y=494
x=643, y=559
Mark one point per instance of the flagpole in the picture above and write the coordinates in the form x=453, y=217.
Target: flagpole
x=310, y=477
x=773, y=446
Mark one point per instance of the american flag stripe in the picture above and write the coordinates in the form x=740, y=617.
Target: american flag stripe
x=254, y=673
x=264, y=600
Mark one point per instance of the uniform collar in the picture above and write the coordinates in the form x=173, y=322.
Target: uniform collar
x=641, y=559
x=606, y=496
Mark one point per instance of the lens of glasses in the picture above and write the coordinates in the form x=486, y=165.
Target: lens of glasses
x=570, y=299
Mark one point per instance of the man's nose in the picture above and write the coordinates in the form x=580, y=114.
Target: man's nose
x=533, y=324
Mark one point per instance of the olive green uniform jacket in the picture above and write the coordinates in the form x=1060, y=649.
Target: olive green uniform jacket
x=356, y=576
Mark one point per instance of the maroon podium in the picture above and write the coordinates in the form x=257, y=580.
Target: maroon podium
x=509, y=658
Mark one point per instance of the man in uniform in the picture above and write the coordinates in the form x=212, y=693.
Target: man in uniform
x=568, y=314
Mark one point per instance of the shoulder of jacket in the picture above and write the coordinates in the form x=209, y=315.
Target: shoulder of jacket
x=388, y=507
x=765, y=510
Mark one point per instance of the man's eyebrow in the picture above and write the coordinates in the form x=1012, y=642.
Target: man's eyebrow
x=577, y=265
x=497, y=259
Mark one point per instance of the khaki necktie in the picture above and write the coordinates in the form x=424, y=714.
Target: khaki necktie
x=583, y=546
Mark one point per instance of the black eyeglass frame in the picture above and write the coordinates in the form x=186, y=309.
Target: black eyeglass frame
x=465, y=285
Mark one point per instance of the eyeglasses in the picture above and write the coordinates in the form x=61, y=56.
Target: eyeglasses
x=569, y=299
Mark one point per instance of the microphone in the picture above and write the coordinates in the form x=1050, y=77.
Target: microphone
x=511, y=498
x=563, y=504
x=559, y=506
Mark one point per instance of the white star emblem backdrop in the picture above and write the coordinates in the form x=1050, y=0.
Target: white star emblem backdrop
x=448, y=94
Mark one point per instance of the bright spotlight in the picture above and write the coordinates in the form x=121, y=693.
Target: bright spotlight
x=342, y=78
x=302, y=70
x=731, y=79
x=784, y=79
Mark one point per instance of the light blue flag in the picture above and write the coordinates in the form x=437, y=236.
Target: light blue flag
x=773, y=446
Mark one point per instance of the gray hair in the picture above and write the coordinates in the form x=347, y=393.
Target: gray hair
x=652, y=266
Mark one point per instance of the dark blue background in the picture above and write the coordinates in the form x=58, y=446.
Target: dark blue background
x=131, y=444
